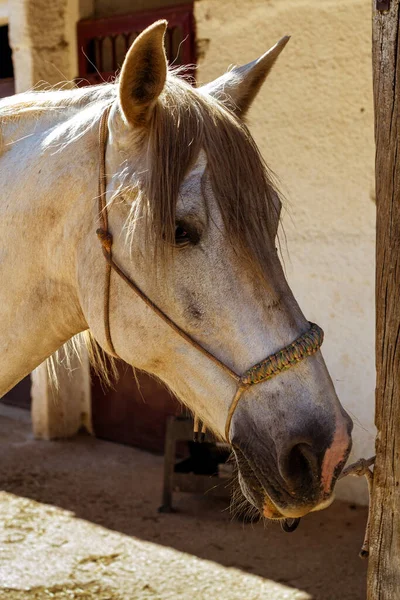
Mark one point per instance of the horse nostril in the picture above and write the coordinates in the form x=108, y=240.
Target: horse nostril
x=299, y=465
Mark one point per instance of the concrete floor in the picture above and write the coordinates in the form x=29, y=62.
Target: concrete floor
x=79, y=521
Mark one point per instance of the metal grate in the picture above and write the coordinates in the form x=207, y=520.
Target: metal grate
x=103, y=43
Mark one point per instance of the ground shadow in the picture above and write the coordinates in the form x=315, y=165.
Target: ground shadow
x=120, y=488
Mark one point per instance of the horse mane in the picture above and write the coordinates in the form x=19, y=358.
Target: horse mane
x=103, y=365
x=43, y=99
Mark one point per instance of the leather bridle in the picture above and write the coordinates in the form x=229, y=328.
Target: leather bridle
x=305, y=345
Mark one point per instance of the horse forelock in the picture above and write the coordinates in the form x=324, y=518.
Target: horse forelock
x=185, y=122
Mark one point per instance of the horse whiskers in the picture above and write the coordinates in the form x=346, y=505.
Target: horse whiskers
x=240, y=508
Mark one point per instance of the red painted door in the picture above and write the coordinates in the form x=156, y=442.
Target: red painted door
x=135, y=411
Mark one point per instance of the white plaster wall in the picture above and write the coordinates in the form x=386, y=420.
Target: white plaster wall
x=314, y=123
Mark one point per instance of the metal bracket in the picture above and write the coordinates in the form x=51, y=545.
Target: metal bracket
x=382, y=5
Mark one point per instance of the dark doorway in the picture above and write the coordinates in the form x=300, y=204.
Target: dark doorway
x=6, y=64
x=20, y=395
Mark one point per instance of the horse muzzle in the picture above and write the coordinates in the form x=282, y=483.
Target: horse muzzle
x=272, y=496
x=288, y=477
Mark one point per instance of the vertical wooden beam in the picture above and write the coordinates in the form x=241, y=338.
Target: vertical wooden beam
x=61, y=411
x=44, y=41
x=384, y=562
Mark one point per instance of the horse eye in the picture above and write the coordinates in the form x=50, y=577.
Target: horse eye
x=182, y=238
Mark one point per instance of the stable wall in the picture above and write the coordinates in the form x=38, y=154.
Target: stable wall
x=313, y=121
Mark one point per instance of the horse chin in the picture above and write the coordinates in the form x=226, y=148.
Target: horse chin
x=324, y=504
x=271, y=511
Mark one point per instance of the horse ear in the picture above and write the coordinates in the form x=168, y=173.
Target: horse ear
x=143, y=74
x=238, y=87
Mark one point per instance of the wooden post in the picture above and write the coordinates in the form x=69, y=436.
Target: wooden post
x=61, y=411
x=384, y=561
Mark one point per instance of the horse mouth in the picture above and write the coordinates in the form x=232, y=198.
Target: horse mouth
x=271, y=499
x=252, y=488
x=269, y=510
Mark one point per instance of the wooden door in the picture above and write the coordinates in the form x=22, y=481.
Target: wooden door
x=135, y=412
x=103, y=43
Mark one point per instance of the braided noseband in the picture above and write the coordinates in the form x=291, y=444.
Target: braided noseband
x=306, y=345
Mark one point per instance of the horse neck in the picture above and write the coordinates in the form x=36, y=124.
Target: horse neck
x=46, y=206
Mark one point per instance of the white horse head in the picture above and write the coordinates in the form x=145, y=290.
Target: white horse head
x=194, y=216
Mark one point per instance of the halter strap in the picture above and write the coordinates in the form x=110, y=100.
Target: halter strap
x=103, y=234
x=305, y=345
